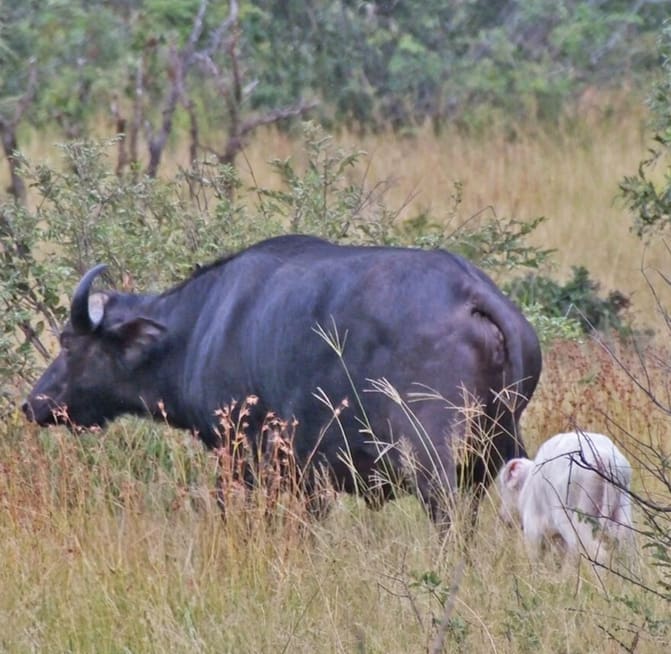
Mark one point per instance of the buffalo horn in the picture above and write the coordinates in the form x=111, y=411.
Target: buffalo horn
x=80, y=316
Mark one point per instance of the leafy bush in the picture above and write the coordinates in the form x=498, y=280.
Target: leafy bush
x=29, y=294
x=647, y=194
x=552, y=328
x=493, y=242
x=149, y=231
x=321, y=199
x=577, y=302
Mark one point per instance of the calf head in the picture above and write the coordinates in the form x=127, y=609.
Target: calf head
x=94, y=378
x=510, y=482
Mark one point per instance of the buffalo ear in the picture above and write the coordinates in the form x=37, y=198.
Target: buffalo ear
x=137, y=336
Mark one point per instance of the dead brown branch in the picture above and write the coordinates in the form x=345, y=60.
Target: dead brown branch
x=180, y=61
x=237, y=137
x=228, y=81
x=8, y=128
x=439, y=641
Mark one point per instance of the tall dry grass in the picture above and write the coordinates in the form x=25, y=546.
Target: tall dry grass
x=113, y=542
x=567, y=173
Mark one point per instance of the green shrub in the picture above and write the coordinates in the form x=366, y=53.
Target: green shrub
x=647, y=194
x=576, y=303
x=552, y=328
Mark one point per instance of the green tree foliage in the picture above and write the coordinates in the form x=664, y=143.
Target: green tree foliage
x=76, y=47
x=379, y=63
x=373, y=64
x=648, y=193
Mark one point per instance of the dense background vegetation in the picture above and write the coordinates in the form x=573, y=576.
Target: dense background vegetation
x=221, y=69
x=513, y=132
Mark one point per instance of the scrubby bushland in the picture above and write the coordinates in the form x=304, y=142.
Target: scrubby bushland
x=576, y=301
x=216, y=71
x=647, y=193
x=152, y=232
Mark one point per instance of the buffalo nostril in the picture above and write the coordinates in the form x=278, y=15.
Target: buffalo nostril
x=27, y=410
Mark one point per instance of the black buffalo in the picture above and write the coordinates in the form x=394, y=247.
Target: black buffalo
x=248, y=325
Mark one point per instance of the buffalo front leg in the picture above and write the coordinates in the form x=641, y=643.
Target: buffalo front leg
x=234, y=482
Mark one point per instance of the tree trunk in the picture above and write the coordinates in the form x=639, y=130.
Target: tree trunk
x=17, y=186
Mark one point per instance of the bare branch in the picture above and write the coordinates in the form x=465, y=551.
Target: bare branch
x=578, y=458
x=196, y=30
x=29, y=95
x=120, y=129
x=157, y=143
x=235, y=68
x=193, y=129
x=138, y=113
x=8, y=129
x=180, y=61
x=439, y=641
x=276, y=115
x=236, y=139
x=32, y=338
x=207, y=65
x=222, y=29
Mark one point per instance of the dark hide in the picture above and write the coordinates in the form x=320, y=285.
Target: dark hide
x=247, y=325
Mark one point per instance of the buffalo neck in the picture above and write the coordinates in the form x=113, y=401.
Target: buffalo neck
x=166, y=378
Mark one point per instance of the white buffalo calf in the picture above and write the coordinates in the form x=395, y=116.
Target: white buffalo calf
x=574, y=493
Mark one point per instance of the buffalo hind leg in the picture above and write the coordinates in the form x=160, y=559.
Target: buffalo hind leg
x=438, y=499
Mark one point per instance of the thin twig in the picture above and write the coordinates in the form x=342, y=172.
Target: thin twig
x=439, y=641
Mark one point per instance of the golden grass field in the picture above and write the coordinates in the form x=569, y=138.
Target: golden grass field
x=112, y=542
x=569, y=174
